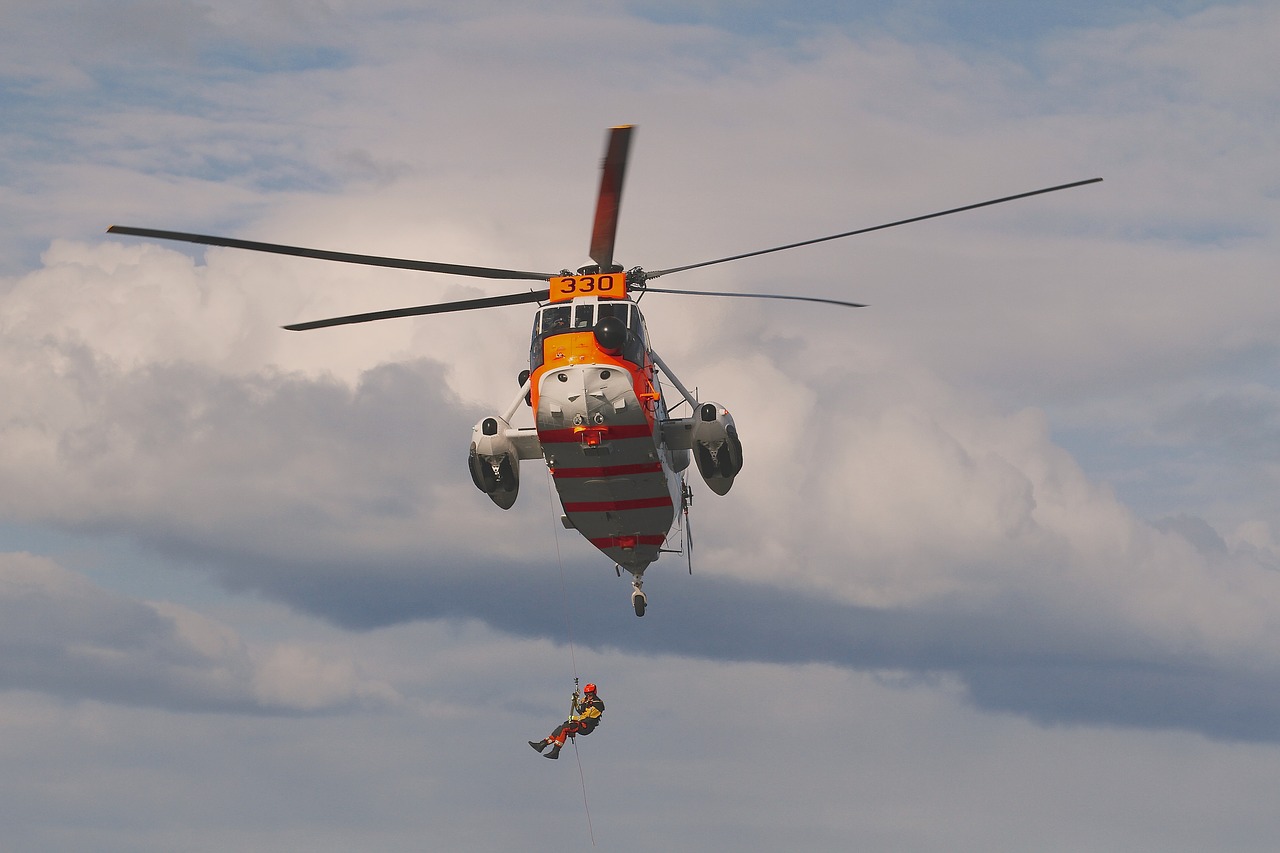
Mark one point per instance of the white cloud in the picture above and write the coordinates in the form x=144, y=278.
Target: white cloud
x=157, y=395
x=966, y=478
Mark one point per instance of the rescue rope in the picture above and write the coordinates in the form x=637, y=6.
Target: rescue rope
x=573, y=660
x=583, y=779
x=564, y=589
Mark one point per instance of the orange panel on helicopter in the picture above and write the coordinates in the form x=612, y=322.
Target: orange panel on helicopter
x=608, y=285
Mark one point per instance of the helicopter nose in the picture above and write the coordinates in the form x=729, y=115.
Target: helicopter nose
x=577, y=387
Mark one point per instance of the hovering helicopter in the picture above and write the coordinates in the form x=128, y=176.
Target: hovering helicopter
x=616, y=454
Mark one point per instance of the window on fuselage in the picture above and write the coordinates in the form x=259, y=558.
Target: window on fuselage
x=553, y=320
x=558, y=319
x=633, y=350
x=637, y=329
x=636, y=325
x=535, y=343
x=613, y=309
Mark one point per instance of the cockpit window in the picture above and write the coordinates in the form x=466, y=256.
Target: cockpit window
x=558, y=319
x=636, y=325
x=555, y=320
x=612, y=309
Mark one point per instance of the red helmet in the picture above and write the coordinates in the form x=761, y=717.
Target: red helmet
x=590, y=688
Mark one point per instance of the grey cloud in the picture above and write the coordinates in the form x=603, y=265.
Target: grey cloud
x=289, y=463
x=160, y=404
x=1197, y=531
x=1017, y=654
x=351, y=502
x=60, y=634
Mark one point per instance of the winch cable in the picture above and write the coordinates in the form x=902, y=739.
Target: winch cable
x=573, y=660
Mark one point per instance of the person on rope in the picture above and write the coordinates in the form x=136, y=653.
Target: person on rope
x=583, y=718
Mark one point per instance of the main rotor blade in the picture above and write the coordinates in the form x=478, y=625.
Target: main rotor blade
x=324, y=255
x=610, y=197
x=874, y=227
x=438, y=308
x=755, y=296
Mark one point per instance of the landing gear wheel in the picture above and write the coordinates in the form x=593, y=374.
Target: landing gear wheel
x=638, y=600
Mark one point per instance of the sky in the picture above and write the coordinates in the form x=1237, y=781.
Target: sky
x=1001, y=571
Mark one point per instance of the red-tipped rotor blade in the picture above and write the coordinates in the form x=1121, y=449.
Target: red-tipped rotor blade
x=325, y=255
x=652, y=274
x=420, y=310
x=610, y=198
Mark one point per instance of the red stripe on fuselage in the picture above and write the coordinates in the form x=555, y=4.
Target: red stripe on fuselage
x=567, y=436
x=608, y=471
x=612, y=541
x=619, y=506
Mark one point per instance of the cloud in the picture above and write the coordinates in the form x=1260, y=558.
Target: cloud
x=1042, y=592
x=901, y=460
x=1013, y=523
x=64, y=636
x=886, y=520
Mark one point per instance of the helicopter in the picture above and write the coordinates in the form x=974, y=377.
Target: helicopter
x=616, y=454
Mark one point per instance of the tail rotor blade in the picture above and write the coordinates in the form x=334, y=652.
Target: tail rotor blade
x=610, y=198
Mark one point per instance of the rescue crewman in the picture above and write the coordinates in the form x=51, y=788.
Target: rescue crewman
x=585, y=717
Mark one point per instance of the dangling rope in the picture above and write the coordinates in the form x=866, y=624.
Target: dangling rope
x=573, y=660
x=590, y=829
x=564, y=589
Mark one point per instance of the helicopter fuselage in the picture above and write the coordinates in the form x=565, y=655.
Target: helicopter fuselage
x=601, y=423
x=599, y=416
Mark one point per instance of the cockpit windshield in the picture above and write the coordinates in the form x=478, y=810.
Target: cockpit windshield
x=555, y=320
x=559, y=319
x=621, y=310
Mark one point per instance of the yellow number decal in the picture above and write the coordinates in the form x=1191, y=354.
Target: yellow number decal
x=610, y=285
